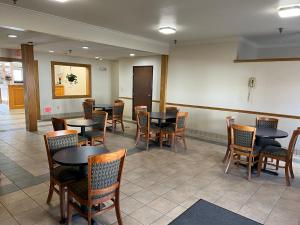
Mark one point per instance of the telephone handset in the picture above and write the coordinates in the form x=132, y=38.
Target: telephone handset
x=251, y=85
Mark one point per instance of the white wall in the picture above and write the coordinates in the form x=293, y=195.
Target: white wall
x=126, y=79
x=101, y=83
x=206, y=75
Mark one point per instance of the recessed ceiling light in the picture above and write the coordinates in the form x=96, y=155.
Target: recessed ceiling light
x=61, y=1
x=132, y=54
x=100, y=59
x=13, y=28
x=85, y=47
x=167, y=30
x=12, y=36
x=97, y=57
x=51, y=51
x=289, y=11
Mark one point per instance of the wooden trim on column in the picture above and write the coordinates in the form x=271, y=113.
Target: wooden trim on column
x=30, y=89
x=266, y=60
x=8, y=59
x=36, y=77
x=163, y=82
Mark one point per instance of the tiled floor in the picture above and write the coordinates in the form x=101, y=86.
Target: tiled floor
x=158, y=184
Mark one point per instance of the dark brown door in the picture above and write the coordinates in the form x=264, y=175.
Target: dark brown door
x=142, y=87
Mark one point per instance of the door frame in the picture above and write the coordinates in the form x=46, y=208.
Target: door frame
x=133, y=97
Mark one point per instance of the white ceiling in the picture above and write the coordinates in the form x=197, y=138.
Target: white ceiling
x=46, y=42
x=194, y=19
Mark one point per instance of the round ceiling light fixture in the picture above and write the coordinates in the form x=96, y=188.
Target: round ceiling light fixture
x=131, y=54
x=12, y=36
x=167, y=30
x=51, y=51
x=85, y=47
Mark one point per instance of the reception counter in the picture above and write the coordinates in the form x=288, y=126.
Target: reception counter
x=13, y=95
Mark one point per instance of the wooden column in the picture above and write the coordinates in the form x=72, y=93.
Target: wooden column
x=163, y=82
x=30, y=89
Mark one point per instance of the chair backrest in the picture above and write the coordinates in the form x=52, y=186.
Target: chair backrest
x=292, y=143
x=91, y=100
x=118, y=101
x=101, y=118
x=56, y=140
x=139, y=108
x=59, y=124
x=242, y=137
x=143, y=121
x=88, y=110
x=117, y=110
x=229, y=122
x=181, y=118
x=171, y=109
x=266, y=122
x=104, y=175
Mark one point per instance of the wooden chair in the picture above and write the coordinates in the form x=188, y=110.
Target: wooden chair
x=280, y=154
x=267, y=122
x=101, y=185
x=117, y=116
x=242, y=147
x=171, y=109
x=175, y=131
x=145, y=130
x=137, y=109
x=98, y=132
x=60, y=124
x=91, y=100
x=229, y=122
x=60, y=175
x=118, y=101
x=88, y=110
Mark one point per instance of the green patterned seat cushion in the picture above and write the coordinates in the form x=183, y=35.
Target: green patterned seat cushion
x=81, y=138
x=93, y=134
x=263, y=142
x=65, y=173
x=274, y=150
x=80, y=188
x=256, y=150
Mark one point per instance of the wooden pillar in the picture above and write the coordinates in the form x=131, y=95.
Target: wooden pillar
x=163, y=82
x=30, y=89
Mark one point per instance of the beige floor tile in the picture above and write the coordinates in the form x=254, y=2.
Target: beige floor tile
x=129, y=205
x=18, y=207
x=13, y=197
x=10, y=221
x=37, y=189
x=130, y=189
x=162, y=205
x=162, y=221
x=176, y=212
x=144, y=196
x=146, y=215
x=159, y=189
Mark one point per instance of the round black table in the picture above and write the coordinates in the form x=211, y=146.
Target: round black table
x=161, y=116
x=270, y=133
x=104, y=107
x=82, y=123
x=77, y=156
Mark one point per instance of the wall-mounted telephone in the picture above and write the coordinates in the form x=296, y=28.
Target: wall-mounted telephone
x=251, y=86
x=252, y=82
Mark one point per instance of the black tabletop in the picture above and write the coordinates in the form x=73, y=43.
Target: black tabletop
x=162, y=115
x=270, y=133
x=81, y=123
x=76, y=156
x=104, y=106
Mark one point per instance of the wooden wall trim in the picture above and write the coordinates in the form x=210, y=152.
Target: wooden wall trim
x=163, y=82
x=228, y=109
x=266, y=60
x=8, y=59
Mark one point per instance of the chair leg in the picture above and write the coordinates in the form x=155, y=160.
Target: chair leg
x=118, y=211
x=260, y=162
x=226, y=155
x=122, y=124
x=147, y=143
x=229, y=161
x=50, y=194
x=89, y=217
x=184, y=142
x=249, y=167
x=137, y=138
x=173, y=142
x=291, y=170
x=287, y=176
x=160, y=139
x=277, y=164
x=69, y=206
x=62, y=202
x=265, y=162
